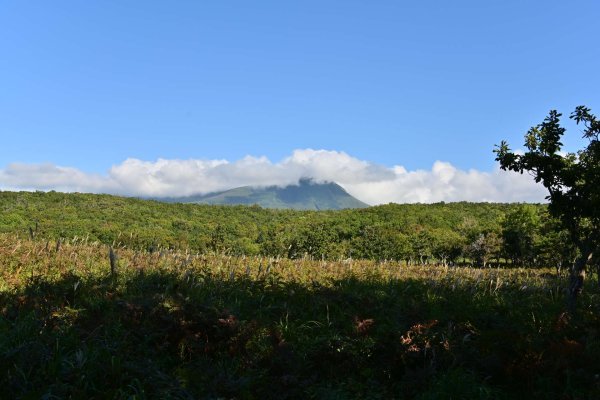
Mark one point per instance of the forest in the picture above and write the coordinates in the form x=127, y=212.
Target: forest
x=479, y=234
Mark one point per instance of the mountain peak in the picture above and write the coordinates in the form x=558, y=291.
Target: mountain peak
x=306, y=195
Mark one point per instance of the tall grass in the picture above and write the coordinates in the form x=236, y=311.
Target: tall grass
x=75, y=323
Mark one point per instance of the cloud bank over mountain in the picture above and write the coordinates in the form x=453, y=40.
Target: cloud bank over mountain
x=371, y=183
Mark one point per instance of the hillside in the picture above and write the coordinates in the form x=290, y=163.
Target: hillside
x=306, y=195
x=393, y=231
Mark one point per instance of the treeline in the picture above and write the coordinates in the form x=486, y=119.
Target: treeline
x=477, y=233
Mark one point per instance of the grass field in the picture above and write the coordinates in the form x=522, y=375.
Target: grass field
x=183, y=326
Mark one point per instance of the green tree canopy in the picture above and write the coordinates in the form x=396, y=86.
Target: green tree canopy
x=572, y=180
x=519, y=232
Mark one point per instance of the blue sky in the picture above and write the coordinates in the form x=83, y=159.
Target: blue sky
x=88, y=84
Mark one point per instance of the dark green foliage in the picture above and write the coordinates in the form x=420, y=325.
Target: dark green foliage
x=520, y=231
x=572, y=180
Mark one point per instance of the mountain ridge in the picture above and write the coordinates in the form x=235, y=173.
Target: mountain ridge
x=305, y=195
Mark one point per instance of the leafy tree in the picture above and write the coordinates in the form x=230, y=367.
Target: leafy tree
x=446, y=245
x=483, y=248
x=378, y=242
x=554, y=246
x=421, y=244
x=520, y=233
x=272, y=242
x=572, y=180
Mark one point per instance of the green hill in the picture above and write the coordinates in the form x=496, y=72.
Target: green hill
x=306, y=195
x=392, y=231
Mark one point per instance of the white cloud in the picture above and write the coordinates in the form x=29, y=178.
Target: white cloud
x=51, y=177
x=445, y=182
x=369, y=182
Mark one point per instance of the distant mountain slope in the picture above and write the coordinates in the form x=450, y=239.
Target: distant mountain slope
x=306, y=195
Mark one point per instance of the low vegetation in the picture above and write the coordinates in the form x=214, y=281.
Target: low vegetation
x=181, y=325
x=453, y=233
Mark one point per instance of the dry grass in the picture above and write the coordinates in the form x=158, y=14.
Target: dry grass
x=180, y=325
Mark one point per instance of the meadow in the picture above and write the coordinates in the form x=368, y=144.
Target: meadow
x=177, y=324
